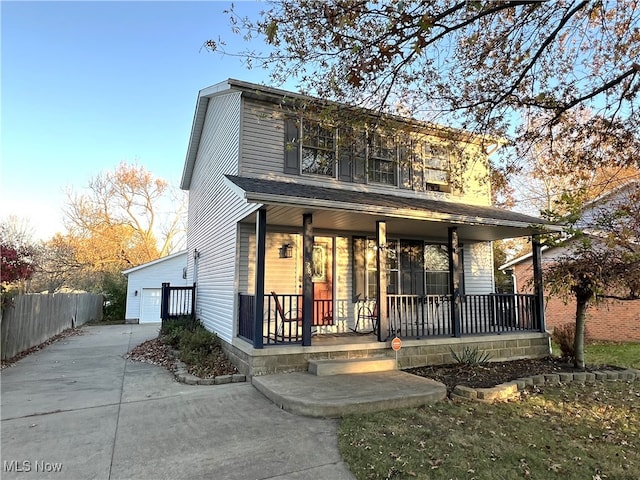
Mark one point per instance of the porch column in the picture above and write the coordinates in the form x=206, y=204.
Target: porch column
x=261, y=240
x=538, y=288
x=381, y=293
x=454, y=281
x=307, y=278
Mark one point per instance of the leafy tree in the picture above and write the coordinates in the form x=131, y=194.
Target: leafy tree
x=18, y=255
x=119, y=221
x=552, y=173
x=120, y=214
x=59, y=268
x=17, y=264
x=489, y=67
x=601, y=259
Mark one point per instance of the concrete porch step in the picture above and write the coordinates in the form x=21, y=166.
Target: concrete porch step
x=341, y=366
x=336, y=395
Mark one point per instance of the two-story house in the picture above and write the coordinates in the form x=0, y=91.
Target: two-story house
x=317, y=231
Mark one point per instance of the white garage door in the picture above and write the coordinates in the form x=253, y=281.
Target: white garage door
x=150, y=305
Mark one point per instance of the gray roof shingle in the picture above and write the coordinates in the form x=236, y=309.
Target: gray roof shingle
x=353, y=197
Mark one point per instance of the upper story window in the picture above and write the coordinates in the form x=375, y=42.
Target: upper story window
x=436, y=165
x=318, y=148
x=355, y=155
x=383, y=160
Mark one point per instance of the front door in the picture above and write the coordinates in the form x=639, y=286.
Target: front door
x=323, y=281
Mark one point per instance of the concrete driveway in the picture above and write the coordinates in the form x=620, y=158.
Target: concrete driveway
x=79, y=410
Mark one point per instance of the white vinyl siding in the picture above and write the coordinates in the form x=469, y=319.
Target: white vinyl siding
x=478, y=268
x=214, y=210
x=262, y=153
x=282, y=275
x=165, y=270
x=262, y=139
x=345, y=316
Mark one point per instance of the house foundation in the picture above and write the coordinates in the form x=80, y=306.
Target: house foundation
x=414, y=353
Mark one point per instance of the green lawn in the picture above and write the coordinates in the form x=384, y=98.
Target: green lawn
x=609, y=353
x=566, y=432
x=570, y=432
x=620, y=354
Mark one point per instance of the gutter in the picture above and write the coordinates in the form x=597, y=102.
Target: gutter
x=283, y=200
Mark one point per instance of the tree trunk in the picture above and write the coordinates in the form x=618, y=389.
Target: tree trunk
x=582, y=302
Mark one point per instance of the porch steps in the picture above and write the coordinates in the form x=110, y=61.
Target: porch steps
x=339, y=366
x=332, y=396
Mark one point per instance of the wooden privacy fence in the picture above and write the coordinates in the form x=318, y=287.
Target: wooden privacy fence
x=35, y=318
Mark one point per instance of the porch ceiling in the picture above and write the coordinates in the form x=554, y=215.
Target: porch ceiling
x=357, y=212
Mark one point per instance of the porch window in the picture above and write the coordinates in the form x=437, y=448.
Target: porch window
x=413, y=268
x=436, y=268
x=318, y=148
x=391, y=255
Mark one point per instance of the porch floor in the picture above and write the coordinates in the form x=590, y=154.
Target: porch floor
x=305, y=394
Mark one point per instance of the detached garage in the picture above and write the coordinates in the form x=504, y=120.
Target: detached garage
x=144, y=286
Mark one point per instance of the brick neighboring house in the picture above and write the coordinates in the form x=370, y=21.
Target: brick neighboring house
x=612, y=320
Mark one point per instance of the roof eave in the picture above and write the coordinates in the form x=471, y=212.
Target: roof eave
x=410, y=214
x=153, y=262
x=196, y=128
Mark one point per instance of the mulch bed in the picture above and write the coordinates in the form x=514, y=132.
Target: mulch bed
x=494, y=373
x=155, y=352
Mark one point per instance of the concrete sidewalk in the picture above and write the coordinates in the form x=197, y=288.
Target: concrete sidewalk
x=79, y=407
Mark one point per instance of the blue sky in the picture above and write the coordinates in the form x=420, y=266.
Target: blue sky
x=86, y=85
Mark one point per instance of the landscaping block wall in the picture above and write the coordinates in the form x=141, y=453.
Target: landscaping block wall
x=414, y=353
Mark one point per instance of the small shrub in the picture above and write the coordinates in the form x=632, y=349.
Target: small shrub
x=564, y=336
x=199, y=348
x=174, y=329
x=190, y=323
x=196, y=346
x=115, y=293
x=171, y=332
x=471, y=356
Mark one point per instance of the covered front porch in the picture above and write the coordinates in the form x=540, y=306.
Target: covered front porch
x=378, y=269
x=408, y=316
